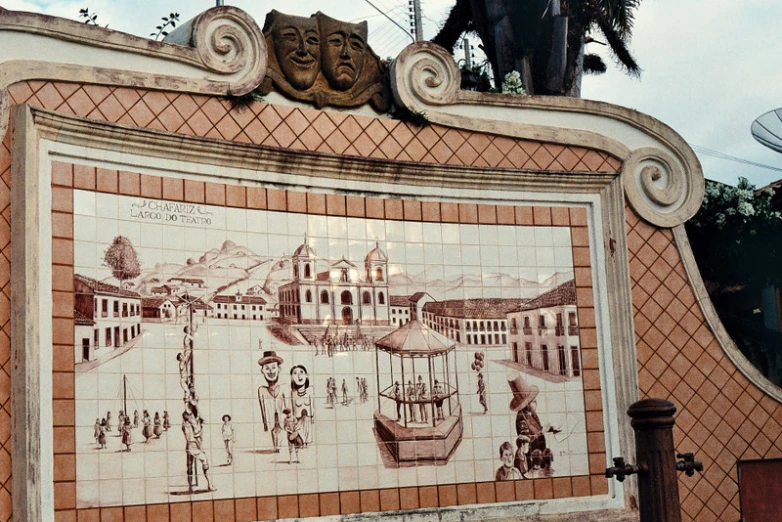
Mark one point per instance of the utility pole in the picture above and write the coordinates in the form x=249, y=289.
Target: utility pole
x=467, y=53
x=414, y=8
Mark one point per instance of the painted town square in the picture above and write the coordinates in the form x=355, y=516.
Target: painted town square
x=228, y=352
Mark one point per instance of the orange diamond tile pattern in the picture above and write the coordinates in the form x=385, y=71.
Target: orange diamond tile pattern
x=721, y=416
x=261, y=123
x=5, y=329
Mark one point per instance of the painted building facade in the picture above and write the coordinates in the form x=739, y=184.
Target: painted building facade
x=543, y=333
x=342, y=294
x=471, y=321
x=108, y=317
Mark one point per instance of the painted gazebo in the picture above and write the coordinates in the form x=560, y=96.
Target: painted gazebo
x=418, y=415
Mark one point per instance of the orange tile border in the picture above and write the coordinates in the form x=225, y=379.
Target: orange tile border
x=266, y=508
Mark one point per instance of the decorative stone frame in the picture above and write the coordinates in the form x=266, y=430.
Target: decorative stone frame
x=41, y=137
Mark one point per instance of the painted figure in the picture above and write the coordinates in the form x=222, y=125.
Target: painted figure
x=528, y=423
x=421, y=395
x=364, y=390
x=194, y=451
x=228, y=438
x=397, y=395
x=127, y=438
x=102, y=435
x=135, y=418
x=158, y=429
x=184, y=372
x=331, y=392
x=97, y=429
x=166, y=420
x=184, y=358
x=108, y=421
x=302, y=400
x=147, y=432
x=437, y=395
x=293, y=432
x=482, y=392
x=521, y=462
x=344, y=388
x=507, y=471
x=271, y=397
x=411, y=398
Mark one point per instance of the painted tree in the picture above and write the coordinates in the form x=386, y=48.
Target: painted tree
x=544, y=40
x=122, y=259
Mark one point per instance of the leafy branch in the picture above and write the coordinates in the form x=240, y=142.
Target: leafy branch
x=737, y=235
x=89, y=18
x=168, y=21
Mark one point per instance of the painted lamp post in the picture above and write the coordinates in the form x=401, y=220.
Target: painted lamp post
x=418, y=415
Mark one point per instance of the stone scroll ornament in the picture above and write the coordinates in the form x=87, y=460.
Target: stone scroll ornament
x=324, y=61
x=661, y=175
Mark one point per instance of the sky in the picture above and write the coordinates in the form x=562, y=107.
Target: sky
x=709, y=68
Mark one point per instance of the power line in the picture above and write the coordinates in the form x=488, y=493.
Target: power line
x=727, y=157
x=391, y=19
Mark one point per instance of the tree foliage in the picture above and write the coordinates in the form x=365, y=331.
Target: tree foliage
x=737, y=236
x=544, y=39
x=122, y=259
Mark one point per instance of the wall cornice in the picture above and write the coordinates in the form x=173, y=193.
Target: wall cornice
x=662, y=176
x=221, y=51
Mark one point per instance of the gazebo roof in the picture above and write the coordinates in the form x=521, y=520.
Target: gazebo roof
x=415, y=339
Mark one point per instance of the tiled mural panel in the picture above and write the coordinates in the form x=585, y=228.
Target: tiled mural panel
x=131, y=364
x=721, y=416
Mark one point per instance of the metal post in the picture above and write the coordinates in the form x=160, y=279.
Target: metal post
x=419, y=30
x=467, y=53
x=658, y=488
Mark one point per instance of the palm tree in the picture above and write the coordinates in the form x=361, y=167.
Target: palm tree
x=544, y=39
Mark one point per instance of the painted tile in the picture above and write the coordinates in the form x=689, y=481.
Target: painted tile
x=227, y=352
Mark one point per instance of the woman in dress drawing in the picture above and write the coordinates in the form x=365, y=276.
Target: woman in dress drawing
x=302, y=398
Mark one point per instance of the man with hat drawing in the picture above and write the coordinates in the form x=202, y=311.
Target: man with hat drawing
x=525, y=405
x=271, y=397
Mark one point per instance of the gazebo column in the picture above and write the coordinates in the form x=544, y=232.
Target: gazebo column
x=431, y=393
x=404, y=390
x=448, y=381
x=456, y=375
x=377, y=376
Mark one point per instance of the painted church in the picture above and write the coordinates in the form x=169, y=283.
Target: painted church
x=342, y=294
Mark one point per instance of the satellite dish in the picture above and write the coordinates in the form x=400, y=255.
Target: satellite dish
x=767, y=129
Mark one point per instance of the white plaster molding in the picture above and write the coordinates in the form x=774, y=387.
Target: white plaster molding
x=662, y=176
x=31, y=325
x=50, y=136
x=713, y=320
x=221, y=51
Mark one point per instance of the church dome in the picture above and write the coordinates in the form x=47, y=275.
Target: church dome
x=304, y=250
x=376, y=254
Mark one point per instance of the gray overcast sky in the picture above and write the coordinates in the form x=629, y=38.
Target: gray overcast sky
x=709, y=68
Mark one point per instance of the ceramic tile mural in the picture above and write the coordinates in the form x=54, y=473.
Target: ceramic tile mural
x=229, y=352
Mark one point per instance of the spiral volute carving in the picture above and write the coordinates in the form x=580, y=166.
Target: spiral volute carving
x=229, y=42
x=425, y=74
x=661, y=188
